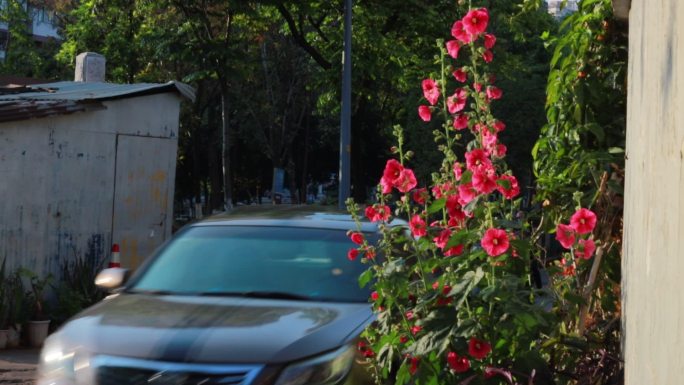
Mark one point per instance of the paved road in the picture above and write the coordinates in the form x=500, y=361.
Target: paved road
x=18, y=367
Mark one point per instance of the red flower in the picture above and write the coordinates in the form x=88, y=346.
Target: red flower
x=583, y=221
x=499, y=126
x=418, y=226
x=484, y=181
x=352, y=254
x=461, y=122
x=406, y=182
x=452, y=47
x=477, y=160
x=386, y=185
x=370, y=253
x=489, y=40
x=425, y=113
x=458, y=364
x=495, y=242
x=457, y=101
x=477, y=87
x=513, y=190
x=585, y=248
x=478, y=349
x=475, y=21
x=416, y=329
x=454, y=251
x=382, y=213
x=392, y=171
x=466, y=193
x=499, y=151
x=489, y=138
x=568, y=268
x=403, y=339
x=395, y=175
x=488, y=56
x=494, y=93
x=565, y=235
x=420, y=195
x=374, y=296
x=409, y=315
x=431, y=91
x=458, y=32
x=356, y=238
x=414, y=365
x=460, y=75
x=442, y=239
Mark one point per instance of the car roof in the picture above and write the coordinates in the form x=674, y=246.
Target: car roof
x=304, y=216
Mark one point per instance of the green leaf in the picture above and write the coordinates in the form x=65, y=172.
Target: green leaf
x=436, y=206
x=365, y=277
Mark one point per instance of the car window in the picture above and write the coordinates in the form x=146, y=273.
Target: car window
x=305, y=262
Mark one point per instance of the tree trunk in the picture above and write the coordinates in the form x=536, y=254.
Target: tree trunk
x=225, y=118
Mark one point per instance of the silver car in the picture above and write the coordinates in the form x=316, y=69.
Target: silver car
x=268, y=299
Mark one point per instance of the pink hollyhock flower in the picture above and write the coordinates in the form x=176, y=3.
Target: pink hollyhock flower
x=406, y=181
x=452, y=47
x=489, y=138
x=375, y=296
x=484, y=181
x=386, y=185
x=494, y=93
x=478, y=349
x=477, y=160
x=379, y=214
x=583, y=221
x=458, y=170
x=425, y=113
x=457, y=101
x=352, y=254
x=499, y=126
x=458, y=32
x=416, y=329
x=431, y=91
x=495, y=242
x=460, y=75
x=512, y=191
x=409, y=315
x=420, y=195
x=442, y=239
x=475, y=21
x=414, y=365
x=488, y=56
x=459, y=364
x=418, y=226
x=585, y=248
x=466, y=193
x=392, y=171
x=565, y=235
x=356, y=238
x=489, y=40
x=477, y=87
x=499, y=151
x=461, y=122
x=454, y=251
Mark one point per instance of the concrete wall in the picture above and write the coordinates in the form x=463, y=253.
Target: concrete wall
x=64, y=178
x=653, y=261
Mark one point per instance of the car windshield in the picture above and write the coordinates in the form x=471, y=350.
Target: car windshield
x=256, y=261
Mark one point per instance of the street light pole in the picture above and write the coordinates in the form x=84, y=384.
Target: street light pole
x=345, y=118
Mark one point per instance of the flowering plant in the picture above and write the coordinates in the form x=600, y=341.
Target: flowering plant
x=454, y=293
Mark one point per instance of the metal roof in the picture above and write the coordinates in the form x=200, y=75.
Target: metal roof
x=78, y=91
x=48, y=99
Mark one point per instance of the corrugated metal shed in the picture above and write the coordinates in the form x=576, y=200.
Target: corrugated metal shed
x=49, y=99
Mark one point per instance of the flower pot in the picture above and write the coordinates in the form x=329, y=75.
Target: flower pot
x=37, y=332
x=3, y=338
x=14, y=336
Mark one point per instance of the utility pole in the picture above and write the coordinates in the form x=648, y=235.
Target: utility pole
x=345, y=118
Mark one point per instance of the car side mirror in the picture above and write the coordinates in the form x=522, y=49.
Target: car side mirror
x=112, y=278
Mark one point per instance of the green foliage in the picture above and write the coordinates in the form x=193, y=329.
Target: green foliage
x=76, y=289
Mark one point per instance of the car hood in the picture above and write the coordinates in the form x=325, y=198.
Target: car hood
x=213, y=330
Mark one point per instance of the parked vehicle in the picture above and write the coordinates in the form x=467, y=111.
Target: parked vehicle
x=250, y=298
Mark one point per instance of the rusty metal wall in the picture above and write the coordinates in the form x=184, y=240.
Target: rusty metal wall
x=58, y=180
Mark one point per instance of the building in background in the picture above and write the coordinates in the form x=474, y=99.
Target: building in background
x=558, y=10
x=41, y=21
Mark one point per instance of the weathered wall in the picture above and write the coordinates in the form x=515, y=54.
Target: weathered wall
x=57, y=195
x=653, y=262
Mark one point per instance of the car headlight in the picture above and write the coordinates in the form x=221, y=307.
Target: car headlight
x=326, y=369
x=62, y=366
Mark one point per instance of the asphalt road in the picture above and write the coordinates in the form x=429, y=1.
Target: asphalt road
x=18, y=367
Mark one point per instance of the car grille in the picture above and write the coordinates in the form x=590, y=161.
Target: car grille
x=142, y=372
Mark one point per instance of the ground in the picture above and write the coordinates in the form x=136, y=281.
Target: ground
x=18, y=367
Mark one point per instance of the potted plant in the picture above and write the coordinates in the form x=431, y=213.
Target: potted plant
x=17, y=308
x=37, y=326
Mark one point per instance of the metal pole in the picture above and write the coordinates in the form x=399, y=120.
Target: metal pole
x=345, y=118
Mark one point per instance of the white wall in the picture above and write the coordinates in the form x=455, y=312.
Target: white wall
x=653, y=251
